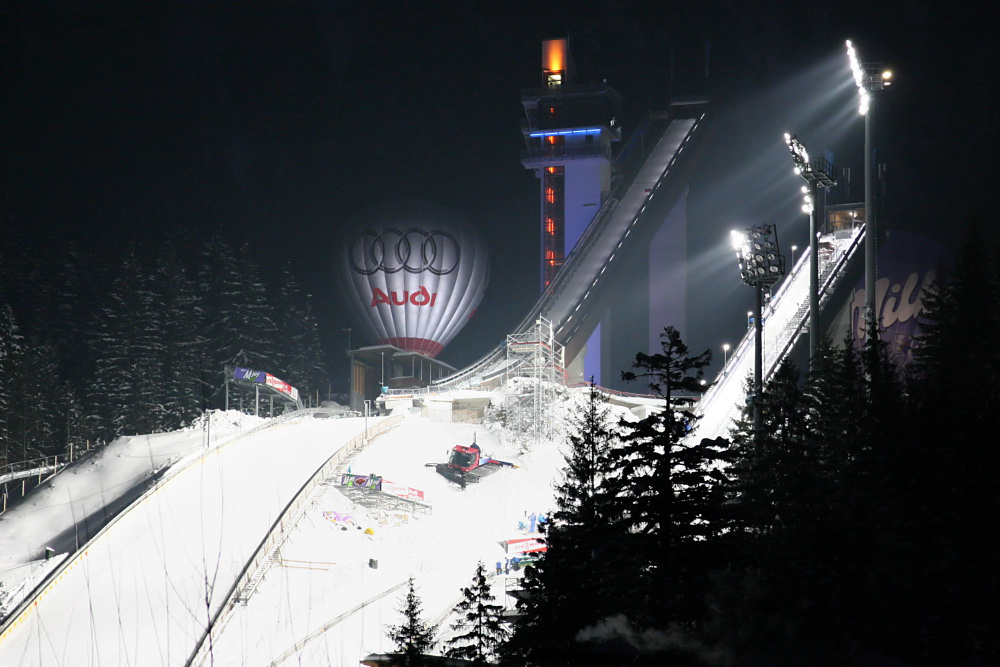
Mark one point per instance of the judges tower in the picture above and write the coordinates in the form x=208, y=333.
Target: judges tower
x=568, y=132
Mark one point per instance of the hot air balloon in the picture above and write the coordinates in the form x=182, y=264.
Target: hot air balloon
x=413, y=274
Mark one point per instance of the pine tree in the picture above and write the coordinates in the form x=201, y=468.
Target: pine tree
x=413, y=638
x=582, y=543
x=11, y=345
x=239, y=328
x=481, y=628
x=127, y=343
x=300, y=356
x=782, y=528
x=949, y=468
x=33, y=398
x=670, y=492
x=179, y=305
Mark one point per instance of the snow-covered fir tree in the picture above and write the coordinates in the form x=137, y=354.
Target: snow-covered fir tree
x=127, y=345
x=480, y=628
x=299, y=356
x=413, y=637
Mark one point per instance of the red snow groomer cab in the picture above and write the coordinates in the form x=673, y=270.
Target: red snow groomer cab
x=467, y=464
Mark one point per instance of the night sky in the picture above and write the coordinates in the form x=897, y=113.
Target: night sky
x=277, y=122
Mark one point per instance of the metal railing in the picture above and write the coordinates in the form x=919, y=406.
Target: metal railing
x=571, y=152
x=30, y=468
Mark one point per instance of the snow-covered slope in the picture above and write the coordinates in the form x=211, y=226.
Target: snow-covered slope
x=144, y=590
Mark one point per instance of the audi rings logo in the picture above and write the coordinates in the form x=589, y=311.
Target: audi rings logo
x=414, y=251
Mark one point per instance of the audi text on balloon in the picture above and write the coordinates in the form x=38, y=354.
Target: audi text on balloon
x=420, y=297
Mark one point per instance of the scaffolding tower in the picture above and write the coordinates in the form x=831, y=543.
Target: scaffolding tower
x=535, y=363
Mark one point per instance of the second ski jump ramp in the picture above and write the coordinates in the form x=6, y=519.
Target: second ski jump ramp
x=112, y=603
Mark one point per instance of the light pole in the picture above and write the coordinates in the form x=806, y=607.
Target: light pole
x=761, y=265
x=794, y=248
x=725, y=358
x=368, y=407
x=870, y=78
x=817, y=174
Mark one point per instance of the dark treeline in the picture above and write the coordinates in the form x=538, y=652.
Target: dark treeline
x=855, y=529
x=90, y=350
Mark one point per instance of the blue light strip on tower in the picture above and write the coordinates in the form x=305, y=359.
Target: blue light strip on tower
x=564, y=132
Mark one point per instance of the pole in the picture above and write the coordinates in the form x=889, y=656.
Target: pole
x=871, y=229
x=813, y=276
x=758, y=365
x=367, y=410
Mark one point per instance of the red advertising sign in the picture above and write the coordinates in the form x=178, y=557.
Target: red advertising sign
x=525, y=545
x=402, y=491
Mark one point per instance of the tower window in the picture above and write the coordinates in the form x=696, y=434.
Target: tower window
x=553, y=221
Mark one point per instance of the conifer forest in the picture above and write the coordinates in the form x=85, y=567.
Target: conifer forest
x=854, y=528
x=91, y=350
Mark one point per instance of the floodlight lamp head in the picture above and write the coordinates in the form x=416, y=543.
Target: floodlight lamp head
x=798, y=150
x=859, y=78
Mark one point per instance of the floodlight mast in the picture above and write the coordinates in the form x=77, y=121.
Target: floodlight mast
x=870, y=78
x=761, y=264
x=817, y=175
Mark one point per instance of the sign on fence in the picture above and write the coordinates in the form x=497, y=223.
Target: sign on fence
x=367, y=482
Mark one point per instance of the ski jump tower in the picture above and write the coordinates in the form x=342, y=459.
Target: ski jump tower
x=568, y=132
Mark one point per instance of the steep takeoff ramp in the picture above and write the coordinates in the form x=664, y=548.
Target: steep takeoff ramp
x=575, y=299
x=785, y=323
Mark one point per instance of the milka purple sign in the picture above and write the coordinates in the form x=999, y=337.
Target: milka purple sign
x=907, y=267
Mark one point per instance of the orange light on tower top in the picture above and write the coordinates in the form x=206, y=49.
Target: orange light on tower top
x=554, y=61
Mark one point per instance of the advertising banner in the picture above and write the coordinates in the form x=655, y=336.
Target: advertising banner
x=525, y=545
x=402, y=491
x=281, y=386
x=368, y=482
x=907, y=266
x=260, y=377
x=249, y=375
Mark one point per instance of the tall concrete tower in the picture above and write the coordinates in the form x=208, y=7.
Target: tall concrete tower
x=568, y=131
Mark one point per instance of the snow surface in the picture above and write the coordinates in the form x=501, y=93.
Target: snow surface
x=142, y=591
